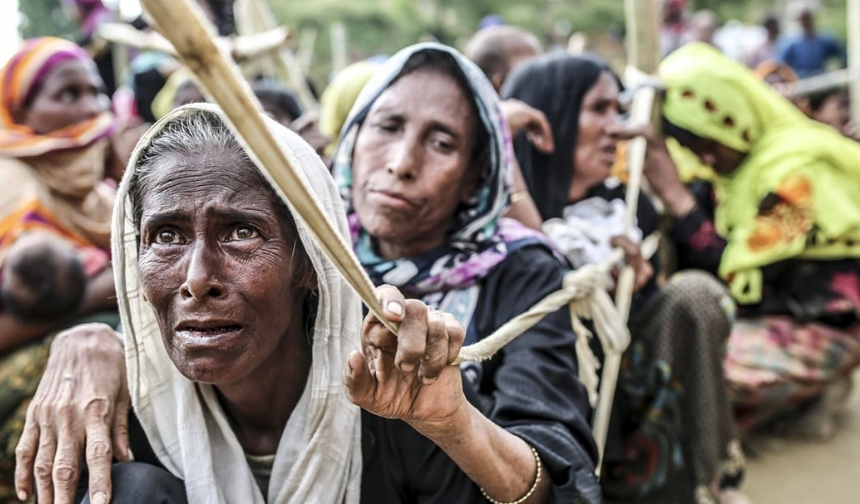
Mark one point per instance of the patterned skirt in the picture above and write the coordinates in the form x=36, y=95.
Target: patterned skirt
x=676, y=438
x=775, y=364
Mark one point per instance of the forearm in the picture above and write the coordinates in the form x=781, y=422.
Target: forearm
x=14, y=333
x=522, y=207
x=502, y=464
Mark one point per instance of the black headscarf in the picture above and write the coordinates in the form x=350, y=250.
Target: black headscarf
x=555, y=84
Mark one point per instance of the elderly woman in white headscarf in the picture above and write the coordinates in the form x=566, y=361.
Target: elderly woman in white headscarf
x=240, y=361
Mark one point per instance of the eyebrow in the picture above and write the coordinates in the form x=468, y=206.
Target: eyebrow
x=171, y=216
x=434, y=124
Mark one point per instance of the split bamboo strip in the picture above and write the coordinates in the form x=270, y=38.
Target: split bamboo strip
x=184, y=25
x=854, y=56
x=239, y=48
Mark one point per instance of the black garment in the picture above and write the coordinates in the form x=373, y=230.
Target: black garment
x=530, y=388
x=804, y=289
x=555, y=84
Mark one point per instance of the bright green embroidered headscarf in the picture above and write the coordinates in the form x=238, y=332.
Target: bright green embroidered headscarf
x=797, y=192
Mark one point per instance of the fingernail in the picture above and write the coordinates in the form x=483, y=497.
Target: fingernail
x=407, y=368
x=394, y=307
x=130, y=455
x=100, y=498
x=23, y=495
x=428, y=380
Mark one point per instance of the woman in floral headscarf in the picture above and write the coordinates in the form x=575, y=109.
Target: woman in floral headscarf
x=424, y=164
x=54, y=214
x=784, y=233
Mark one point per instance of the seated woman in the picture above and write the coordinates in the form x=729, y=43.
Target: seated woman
x=674, y=439
x=784, y=235
x=526, y=413
x=54, y=216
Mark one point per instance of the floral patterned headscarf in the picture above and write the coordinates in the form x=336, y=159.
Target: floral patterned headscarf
x=481, y=239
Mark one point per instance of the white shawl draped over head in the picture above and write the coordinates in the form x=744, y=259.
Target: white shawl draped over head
x=319, y=455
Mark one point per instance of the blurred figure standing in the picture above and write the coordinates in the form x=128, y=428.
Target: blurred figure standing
x=767, y=50
x=808, y=53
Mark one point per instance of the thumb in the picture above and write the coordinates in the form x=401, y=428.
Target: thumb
x=358, y=380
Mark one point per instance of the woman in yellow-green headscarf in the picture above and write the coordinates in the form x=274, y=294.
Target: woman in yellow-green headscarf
x=783, y=231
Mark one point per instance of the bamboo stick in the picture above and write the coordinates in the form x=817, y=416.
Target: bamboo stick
x=185, y=27
x=305, y=52
x=854, y=56
x=643, y=29
x=824, y=82
x=239, y=48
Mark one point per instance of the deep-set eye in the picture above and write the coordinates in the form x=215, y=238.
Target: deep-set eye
x=243, y=233
x=167, y=237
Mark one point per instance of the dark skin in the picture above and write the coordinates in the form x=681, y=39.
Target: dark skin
x=410, y=163
x=214, y=260
x=70, y=93
x=594, y=156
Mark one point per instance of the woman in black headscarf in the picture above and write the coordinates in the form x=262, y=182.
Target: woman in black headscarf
x=672, y=438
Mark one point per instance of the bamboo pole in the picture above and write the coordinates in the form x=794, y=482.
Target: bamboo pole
x=184, y=25
x=239, y=48
x=256, y=15
x=854, y=56
x=643, y=30
x=305, y=52
x=337, y=31
x=830, y=80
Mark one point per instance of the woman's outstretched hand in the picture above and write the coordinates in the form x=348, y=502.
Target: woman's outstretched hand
x=408, y=376
x=80, y=408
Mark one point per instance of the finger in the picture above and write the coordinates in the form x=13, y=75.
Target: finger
x=540, y=133
x=358, y=380
x=43, y=467
x=632, y=253
x=67, y=467
x=99, y=457
x=628, y=131
x=436, y=354
x=119, y=428
x=412, y=336
x=456, y=336
x=25, y=455
x=392, y=301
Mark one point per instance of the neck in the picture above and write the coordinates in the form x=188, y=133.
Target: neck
x=398, y=250
x=260, y=404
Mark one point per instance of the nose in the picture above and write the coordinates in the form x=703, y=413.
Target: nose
x=201, y=278
x=404, y=159
x=92, y=105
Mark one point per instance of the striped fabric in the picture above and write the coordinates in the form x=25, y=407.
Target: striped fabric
x=20, y=77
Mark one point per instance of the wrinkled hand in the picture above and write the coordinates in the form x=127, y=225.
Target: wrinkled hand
x=660, y=170
x=408, y=376
x=522, y=117
x=81, y=404
x=633, y=257
x=308, y=127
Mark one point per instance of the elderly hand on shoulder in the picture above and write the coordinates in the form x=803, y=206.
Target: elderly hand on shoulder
x=81, y=405
x=408, y=376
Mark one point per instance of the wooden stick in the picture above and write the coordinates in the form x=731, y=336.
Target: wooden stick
x=305, y=52
x=854, y=56
x=337, y=32
x=824, y=82
x=239, y=48
x=643, y=25
x=185, y=26
x=256, y=15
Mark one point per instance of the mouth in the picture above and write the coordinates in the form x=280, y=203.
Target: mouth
x=208, y=328
x=392, y=198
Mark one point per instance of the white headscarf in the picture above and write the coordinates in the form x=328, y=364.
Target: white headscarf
x=319, y=455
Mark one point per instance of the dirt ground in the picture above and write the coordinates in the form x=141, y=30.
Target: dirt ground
x=785, y=472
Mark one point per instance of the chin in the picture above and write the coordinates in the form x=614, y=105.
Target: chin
x=211, y=369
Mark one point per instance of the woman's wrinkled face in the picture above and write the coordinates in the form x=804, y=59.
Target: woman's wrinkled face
x=216, y=263
x=411, y=163
x=69, y=94
x=594, y=153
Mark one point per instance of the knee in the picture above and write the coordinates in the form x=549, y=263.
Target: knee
x=139, y=483
x=701, y=295
x=43, y=278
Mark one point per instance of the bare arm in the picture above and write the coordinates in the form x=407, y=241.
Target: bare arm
x=409, y=377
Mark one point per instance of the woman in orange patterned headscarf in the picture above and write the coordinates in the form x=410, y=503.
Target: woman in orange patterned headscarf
x=55, y=210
